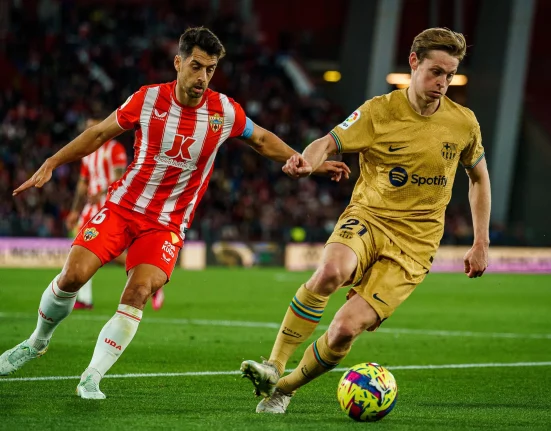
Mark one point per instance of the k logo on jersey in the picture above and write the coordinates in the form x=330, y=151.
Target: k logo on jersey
x=180, y=148
x=216, y=122
x=449, y=150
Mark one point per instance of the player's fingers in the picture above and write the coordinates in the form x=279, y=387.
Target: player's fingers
x=467, y=266
x=296, y=160
x=23, y=187
x=344, y=167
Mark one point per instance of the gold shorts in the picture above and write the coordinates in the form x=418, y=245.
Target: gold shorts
x=385, y=275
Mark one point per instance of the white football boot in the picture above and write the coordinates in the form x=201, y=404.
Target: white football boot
x=276, y=404
x=13, y=359
x=88, y=388
x=264, y=376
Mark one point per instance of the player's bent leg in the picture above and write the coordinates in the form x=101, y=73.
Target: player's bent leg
x=302, y=317
x=352, y=319
x=338, y=266
x=56, y=304
x=117, y=334
x=80, y=266
x=324, y=354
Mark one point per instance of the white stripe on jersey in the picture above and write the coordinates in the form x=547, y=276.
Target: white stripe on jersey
x=171, y=125
x=229, y=120
x=101, y=175
x=145, y=117
x=200, y=134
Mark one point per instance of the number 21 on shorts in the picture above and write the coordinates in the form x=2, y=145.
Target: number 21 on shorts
x=353, y=224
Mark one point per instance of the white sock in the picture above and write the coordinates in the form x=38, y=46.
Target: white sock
x=55, y=305
x=113, y=339
x=85, y=293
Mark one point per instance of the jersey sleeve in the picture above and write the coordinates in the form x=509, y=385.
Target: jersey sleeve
x=474, y=151
x=118, y=156
x=355, y=134
x=128, y=114
x=84, y=171
x=240, y=120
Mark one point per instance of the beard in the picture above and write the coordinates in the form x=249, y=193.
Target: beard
x=194, y=94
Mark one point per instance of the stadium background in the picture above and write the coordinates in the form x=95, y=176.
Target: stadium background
x=62, y=60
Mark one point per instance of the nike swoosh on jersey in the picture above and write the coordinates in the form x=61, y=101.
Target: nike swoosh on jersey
x=375, y=296
x=395, y=148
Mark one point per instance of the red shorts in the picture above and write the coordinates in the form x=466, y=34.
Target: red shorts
x=114, y=229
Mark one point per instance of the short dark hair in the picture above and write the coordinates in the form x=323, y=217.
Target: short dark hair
x=202, y=38
x=441, y=39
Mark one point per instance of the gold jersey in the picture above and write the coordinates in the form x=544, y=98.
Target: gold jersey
x=407, y=166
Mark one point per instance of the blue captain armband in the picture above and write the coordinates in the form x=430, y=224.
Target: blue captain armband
x=249, y=127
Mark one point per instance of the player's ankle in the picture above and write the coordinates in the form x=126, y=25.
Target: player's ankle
x=37, y=343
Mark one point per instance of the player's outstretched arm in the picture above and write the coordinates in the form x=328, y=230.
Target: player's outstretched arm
x=85, y=143
x=314, y=160
x=269, y=145
x=476, y=259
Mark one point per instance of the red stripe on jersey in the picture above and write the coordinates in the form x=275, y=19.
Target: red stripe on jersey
x=132, y=184
x=179, y=141
x=151, y=176
x=210, y=145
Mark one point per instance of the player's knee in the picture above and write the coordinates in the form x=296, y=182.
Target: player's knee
x=137, y=293
x=328, y=278
x=72, y=278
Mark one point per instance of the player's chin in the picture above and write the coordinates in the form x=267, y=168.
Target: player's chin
x=195, y=93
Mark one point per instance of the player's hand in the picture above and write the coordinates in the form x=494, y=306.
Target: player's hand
x=297, y=167
x=71, y=220
x=476, y=260
x=40, y=177
x=335, y=170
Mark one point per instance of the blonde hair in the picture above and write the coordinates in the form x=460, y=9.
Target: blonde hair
x=441, y=39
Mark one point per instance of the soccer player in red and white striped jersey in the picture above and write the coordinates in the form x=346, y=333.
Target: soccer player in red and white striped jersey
x=179, y=127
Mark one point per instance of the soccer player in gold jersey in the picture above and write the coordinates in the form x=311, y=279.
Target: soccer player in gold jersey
x=410, y=143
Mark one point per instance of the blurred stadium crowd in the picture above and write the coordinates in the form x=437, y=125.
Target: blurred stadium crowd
x=65, y=63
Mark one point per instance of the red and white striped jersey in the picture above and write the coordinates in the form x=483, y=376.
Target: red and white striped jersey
x=174, y=151
x=98, y=169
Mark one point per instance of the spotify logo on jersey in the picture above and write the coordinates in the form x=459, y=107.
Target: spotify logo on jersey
x=398, y=176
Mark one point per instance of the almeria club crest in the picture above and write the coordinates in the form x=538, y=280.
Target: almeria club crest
x=216, y=122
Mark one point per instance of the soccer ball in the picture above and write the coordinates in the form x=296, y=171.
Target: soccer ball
x=367, y=392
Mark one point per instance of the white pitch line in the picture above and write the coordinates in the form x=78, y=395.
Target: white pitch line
x=274, y=325
x=231, y=373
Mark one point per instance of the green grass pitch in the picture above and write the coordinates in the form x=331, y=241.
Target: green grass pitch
x=214, y=319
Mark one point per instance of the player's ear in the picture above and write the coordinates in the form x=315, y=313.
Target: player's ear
x=413, y=61
x=177, y=62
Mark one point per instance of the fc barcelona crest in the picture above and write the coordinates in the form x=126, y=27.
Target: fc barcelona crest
x=216, y=122
x=449, y=150
x=90, y=233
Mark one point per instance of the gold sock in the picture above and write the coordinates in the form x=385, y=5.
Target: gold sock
x=318, y=359
x=301, y=319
